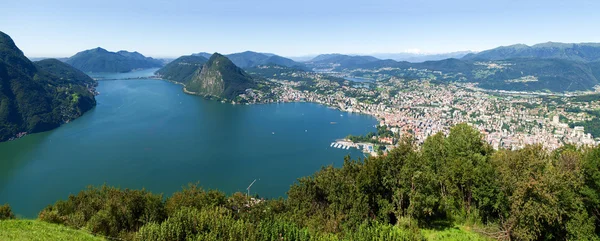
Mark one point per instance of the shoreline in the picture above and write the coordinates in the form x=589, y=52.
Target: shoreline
x=278, y=101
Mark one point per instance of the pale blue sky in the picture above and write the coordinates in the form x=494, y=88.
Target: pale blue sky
x=162, y=28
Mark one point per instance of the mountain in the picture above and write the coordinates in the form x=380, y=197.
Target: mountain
x=339, y=61
x=521, y=74
x=63, y=59
x=39, y=96
x=418, y=58
x=582, y=52
x=182, y=69
x=531, y=74
x=220, y=77
x=102, y=60
x=343, y=59
x=203, y=54
x=250, y=59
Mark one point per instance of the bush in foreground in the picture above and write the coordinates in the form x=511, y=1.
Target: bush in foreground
x=6, y=212
x=528, y=194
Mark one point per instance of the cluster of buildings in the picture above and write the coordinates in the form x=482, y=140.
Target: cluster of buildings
x=422, y=109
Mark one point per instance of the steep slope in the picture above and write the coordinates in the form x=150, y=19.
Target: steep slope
x=102, y=60
x=220, y=77
x=539, y=74
x=583, y=52
x=40, y=96
x=595, y=67
x=182, y=69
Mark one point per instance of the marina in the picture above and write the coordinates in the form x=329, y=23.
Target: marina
x=345, y=144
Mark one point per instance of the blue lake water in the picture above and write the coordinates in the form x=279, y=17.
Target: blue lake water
x=147, y=133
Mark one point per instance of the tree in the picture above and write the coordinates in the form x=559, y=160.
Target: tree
x=6, y=212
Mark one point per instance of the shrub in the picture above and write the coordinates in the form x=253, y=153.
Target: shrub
x=107, y=210
x=6, y=212
x=196, y=197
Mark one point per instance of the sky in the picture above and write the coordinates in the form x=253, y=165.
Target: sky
x=173, y=28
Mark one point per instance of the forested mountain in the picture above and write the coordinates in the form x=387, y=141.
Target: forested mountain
x=250, y=59
x=102, y=60
x=522, y=74
x=220, y=77
x=345, y=61
x=418, y=58
x=182, y=69
x=40, y=96
x=582, y=52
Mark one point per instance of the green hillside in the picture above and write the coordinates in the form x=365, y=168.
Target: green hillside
x=521, y=74
x=182, y=69
x=34, y=230
x=582, y=52
x=36, y=97
x=220, y=78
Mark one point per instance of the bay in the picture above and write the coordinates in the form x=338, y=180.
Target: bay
x=146, y=133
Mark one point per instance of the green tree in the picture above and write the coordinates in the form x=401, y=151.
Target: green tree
x=6, y=212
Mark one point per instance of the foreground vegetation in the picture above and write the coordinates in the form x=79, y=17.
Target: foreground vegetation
x=454, y=187
x=25, y=230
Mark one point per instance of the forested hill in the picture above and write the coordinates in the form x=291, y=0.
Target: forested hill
x=454, y=187
x=249, y=59
x=220, y=77
x=40, y=96
x=342, y=60
x=102, y=60
x=582, y=52
x=182, y=69
x=521, y=74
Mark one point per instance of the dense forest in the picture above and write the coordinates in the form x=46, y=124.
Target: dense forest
x=527, y=194
x=182, y=69
x=221, y=78
x=39, y=96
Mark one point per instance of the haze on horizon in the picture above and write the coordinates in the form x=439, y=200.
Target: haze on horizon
x=161, y=28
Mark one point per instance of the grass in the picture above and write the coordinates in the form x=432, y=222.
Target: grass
x=34, y=230
x=456, y=233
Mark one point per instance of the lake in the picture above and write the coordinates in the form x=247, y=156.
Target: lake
x=146, y=133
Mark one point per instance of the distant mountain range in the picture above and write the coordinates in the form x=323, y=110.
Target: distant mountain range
x=522, y=74
x=582, y=52
x=39, y=96
x=249, y=59
x=217, y=76
x=102, y=60
x=549, y=66
x=342, y=59
x=418, y=58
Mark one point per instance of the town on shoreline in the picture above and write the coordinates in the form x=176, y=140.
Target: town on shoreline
x=423, y=107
